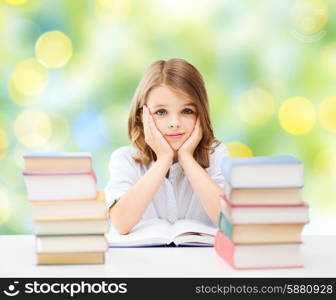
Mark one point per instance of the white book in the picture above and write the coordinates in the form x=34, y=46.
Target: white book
x=56, y=186
x=269, y=215
x=268, y=256
x=263, y=172
x=159, y=232
x=71, y=243
x=63, y=227
x=258, y=256
x=264, y=214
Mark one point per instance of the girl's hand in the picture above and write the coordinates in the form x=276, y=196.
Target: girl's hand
x=189, y=146
x=154, y=138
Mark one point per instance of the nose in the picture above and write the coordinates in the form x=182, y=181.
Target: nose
x=174, y=122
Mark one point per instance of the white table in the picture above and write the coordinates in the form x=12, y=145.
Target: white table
x=17, y=259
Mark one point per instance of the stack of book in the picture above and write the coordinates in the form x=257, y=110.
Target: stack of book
x=262, y=214
x=69, y=214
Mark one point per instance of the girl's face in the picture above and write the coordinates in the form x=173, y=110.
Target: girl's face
x=174, y=115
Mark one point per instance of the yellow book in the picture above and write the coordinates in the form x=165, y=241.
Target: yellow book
x=260, y=196
x=260, y=233
x=52, y=210
x=70, y=258
x=58, y=162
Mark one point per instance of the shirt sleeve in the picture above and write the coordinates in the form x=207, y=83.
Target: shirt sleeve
x=123, y=174
x=215, y=164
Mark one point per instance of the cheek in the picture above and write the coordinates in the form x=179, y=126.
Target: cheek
x=160, y=124
x=190, y=123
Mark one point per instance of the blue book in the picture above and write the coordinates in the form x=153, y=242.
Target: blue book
x=263, y=172
x=57, y=155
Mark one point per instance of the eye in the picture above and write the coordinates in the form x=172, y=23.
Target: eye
x=161, y=112
x=188, y=111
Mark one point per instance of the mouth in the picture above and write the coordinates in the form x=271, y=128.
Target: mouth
x=175, y=135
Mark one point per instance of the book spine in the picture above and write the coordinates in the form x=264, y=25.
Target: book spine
x=227, y=210
x=225, y=207
x=256, y=206
x=68, y=218
x=99, y=197
x=70, y=234
x=92, y=173
x=224, y=248
x=225, y=226
x=56, y=155
x=70, y=258
x=269, y=268
x=104, y=218
x=231, y=187
x=52, y=201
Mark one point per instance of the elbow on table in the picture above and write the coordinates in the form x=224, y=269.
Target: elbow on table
x=121, y=229
x=119, y=225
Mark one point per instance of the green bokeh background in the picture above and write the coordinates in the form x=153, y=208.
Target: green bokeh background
x=285, y=48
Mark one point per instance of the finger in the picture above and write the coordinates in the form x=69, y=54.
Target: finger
x=197, y=129
x=156, y=132
x=149, y=120
x=200, y=132
x=144, y=117
x=146, y=123
x=152, y=125
x=198, y=122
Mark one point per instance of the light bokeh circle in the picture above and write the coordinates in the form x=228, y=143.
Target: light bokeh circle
x=113, y=11
x=33, y=128
x=16, y=2
x=29, y=78
x=4, y=143
x=238, y=149
x=327, y=113
x=4, y=207
x=310, y=16
x=297, y=115
x=53, y=49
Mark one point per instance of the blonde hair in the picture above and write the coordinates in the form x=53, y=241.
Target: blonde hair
x=183, y=78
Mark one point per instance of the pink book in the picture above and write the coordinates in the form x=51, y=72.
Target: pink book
x=258, y=256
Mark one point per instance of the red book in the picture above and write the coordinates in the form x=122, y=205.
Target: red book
x=256, y=256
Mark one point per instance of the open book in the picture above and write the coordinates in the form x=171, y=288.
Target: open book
x=159, y=232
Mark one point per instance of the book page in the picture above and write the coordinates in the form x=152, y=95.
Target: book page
x=195, y=239
x=145, y=233
x=190, y=231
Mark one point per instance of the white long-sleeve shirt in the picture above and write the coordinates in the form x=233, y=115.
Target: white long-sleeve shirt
x=175, y=199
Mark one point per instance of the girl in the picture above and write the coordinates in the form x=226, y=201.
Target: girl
x=172, y=170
